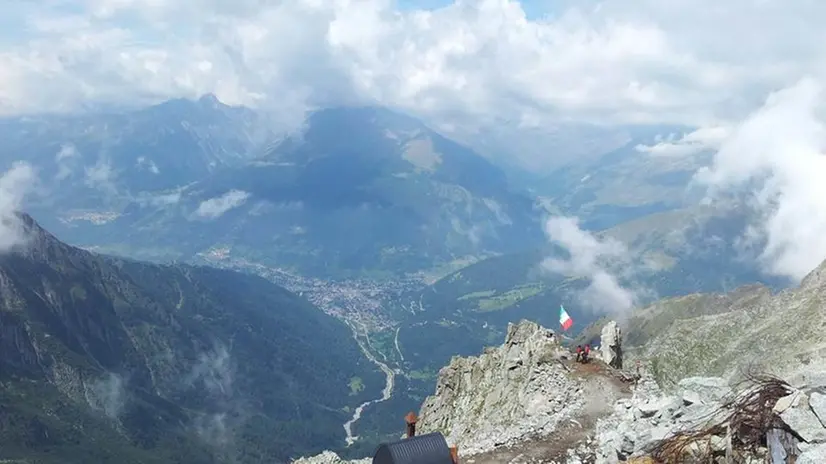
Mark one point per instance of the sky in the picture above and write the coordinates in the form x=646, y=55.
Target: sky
x=614, y=61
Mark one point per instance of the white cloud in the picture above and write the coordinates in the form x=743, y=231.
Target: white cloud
x=701, y=140
x=145, y=163
x=214, y=370
x=608, y=60
x=593, y=259
x=108, y=394
x=162, y=199
x=101, y=176
x=777, y=155
x=214, y=373
x=215, y=207
x=15, y=184
x=63, y=158
x=67, y=150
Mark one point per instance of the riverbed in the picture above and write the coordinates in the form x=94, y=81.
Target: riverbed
x=385, y=394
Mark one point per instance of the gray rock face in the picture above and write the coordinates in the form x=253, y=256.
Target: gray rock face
x=813, y=455
x=610, y=350
x=518, y=390
x=817, y=401
x=703, y=390
x=801, y=416
x=652, y=415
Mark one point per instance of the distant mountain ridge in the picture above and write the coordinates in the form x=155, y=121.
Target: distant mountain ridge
x=361, y=190
x=111, y=360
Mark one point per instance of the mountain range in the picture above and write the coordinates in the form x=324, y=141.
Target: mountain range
x=359, y=190
x=111, y=360
x=383, y=248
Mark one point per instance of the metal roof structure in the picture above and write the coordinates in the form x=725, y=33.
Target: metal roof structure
x=430, y=448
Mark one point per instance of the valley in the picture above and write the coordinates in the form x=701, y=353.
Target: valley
x=263, y=232
x=386, y=393
x=317, y=285
x=361, y=305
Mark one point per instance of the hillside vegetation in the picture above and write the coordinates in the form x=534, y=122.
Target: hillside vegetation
x=109, y=360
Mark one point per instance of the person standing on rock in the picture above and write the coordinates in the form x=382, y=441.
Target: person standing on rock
x=586, y=354
x=578, y=353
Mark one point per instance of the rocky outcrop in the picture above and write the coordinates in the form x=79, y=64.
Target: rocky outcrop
x=610, y=349
x=700, y=404
x=781, y=333
x=507, y=393
x=651, y=415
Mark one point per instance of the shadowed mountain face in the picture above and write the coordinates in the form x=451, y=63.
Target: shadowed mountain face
x=108, y=360
x=360, y=191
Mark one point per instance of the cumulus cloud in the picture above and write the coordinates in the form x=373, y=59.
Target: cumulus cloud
x=776, y=158
x=15, y=184
x=595, y=60
x=215, y=207
x=594, y=259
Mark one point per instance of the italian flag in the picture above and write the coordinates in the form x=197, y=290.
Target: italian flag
x=564, y=319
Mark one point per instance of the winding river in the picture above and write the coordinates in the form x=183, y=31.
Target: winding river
x=385, y=394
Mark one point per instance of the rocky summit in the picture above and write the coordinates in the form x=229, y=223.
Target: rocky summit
x=527, y=401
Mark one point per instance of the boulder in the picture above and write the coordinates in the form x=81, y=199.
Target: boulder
x=610, y=350
x=789, y=401
x=804, y=422
x=813, y=455
x=817, y=401
x=703, y=390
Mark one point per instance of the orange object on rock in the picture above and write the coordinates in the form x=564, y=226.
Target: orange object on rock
x=411, y=419
x=454, y=453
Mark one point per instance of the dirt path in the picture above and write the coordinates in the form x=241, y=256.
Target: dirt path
x=600, y=388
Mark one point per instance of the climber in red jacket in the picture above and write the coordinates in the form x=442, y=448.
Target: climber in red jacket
x=578, y=353
x=586, y=354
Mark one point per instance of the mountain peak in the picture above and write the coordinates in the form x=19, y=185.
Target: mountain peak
x=33, y=241
x=209, y=99
x=816, y=278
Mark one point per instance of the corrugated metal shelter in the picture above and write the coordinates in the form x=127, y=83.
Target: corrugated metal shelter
x=430, y=448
